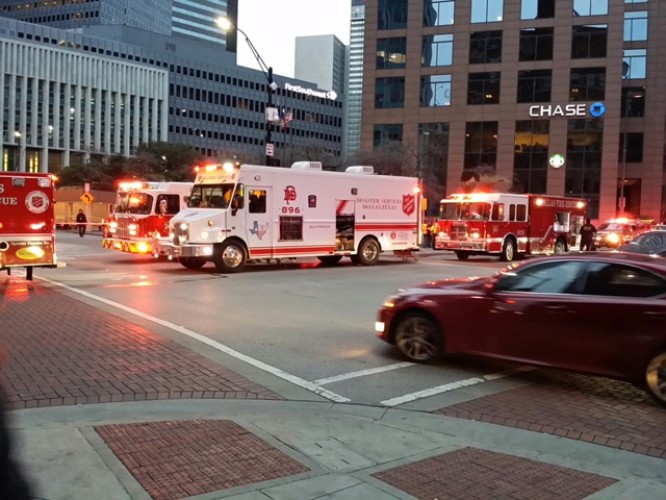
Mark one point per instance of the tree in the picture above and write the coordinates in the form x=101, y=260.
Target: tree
x=483, y=178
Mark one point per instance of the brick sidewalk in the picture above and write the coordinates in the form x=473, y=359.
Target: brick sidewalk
x=61, y=351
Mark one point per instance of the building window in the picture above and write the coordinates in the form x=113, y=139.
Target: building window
x=437, y=50
x=534, y=85
x=483, y=88
x=487, y=11
x=530, y=159
x=589, y=41
x=635, y=26
x=385, y=135
x=634, y=147
x=480, y=145
x=485, y=47
x=590, y=8
x=390, y=92
x=536, y=44
x=633, y=102
x=634, y=64
x=391, y=53
x=583, y=172
x=587, y=84
x=635, y=1
x=537, y=9
x=435, y=91
x=392, y=14
x=438, y=12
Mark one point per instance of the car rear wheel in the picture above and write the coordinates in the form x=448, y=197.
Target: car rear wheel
x=417, y=337
x=655, y=377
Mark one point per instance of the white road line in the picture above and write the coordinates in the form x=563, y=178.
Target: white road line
x=452, y=386
x=212, y=343
x=363, y=373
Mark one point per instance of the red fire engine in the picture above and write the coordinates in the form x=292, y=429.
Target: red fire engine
x=143, y=211
x=508, y=224
x=27, y=221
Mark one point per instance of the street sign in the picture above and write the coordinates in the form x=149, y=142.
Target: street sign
x=87, y=198
x=270, y=149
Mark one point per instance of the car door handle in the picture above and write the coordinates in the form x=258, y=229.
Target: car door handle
x=555, y=308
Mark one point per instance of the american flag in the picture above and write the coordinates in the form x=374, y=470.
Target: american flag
x=285, y=117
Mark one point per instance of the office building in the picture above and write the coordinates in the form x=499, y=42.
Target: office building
x=321, y=59
x=196, y=19
x=557, y=97
x=210, y=103
x=353, y=94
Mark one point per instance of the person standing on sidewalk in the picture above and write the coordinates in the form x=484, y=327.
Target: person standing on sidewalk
x=434, y=231
x=81, y=222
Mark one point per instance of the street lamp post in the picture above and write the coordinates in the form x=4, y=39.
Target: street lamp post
x=622, y=202
x=21, y=141
x=271, y=86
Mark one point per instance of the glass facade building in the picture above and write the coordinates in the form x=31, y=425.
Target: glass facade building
x=498, y=87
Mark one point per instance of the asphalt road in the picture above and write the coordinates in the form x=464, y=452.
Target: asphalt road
x=310, y=325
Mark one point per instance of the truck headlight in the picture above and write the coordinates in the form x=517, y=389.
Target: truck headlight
x=183, y=226
x=204, y=235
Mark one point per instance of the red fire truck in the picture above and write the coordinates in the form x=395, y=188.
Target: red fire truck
x=143, y=211
x=508, y=224
x=27, y=221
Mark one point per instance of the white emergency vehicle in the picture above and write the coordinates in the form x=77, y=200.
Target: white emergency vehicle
x=249, y=213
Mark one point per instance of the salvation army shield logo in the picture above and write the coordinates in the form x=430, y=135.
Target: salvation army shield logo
x=408, y=204
x=37, y=202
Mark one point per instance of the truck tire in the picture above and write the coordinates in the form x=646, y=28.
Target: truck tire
x=560, y=247
x=462, y=255
x=230, y=257
x=191, y=262
x=509, y=250
x=368, y=252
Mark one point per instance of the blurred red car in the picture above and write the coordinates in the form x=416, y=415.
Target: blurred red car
x=595, y=313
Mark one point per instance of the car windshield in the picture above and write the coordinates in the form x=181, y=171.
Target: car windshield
x=613, y=226
x=656, y=239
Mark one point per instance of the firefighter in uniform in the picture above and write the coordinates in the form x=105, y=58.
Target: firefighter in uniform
x=587, y=232
x=434, y=231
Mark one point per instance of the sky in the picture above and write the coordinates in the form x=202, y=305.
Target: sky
x=273, y=25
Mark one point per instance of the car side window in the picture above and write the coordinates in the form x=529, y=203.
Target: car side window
x=618, y=280
x=551, y=277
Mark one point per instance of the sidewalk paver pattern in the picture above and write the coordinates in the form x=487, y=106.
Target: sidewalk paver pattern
x=474, y=473
x=592, y=409
x=185, y=458
x=61, y=351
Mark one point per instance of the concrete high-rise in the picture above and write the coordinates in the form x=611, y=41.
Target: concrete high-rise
x=321, y=59
x=355, y=78
x=561, y=98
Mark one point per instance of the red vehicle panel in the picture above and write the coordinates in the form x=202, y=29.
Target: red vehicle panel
x=27, y=221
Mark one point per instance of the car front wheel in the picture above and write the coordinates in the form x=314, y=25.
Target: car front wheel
x=417, y=337
x=655, y=377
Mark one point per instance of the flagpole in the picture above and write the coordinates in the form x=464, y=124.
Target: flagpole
x=284, y=130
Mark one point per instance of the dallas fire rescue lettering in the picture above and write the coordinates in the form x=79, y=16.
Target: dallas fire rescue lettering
x=9, y=201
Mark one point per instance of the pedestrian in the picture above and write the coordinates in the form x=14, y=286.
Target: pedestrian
x=425, y=230
x=81, y=222
x=434, y=231
x=587, y=232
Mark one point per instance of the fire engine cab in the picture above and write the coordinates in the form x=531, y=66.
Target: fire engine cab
x=142, y=211
x=508, y=224
x=27, y=221
x=250, y=213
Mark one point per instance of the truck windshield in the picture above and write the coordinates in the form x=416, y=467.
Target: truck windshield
x=464, y=211
x=135, y=203
x=211, y=196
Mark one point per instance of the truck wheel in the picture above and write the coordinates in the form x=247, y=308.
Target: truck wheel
x=655, y=377
x=508, y=250
x=230, y=257
x=368, y=252
x=329, y=260
x=462, y=255
x=191, y=262
x=560, y=247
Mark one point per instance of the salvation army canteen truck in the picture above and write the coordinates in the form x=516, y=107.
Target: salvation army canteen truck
x=249, y=213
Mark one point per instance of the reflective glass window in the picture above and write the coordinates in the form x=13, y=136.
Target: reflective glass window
x=392, y=14
x=487, y=11
x=437, y=50
x=438, y=12
x=435, y=91
x=635, y=26
x=391, y=53
x=590, y=7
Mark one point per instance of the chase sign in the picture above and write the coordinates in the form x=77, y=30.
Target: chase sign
x=596, y=110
